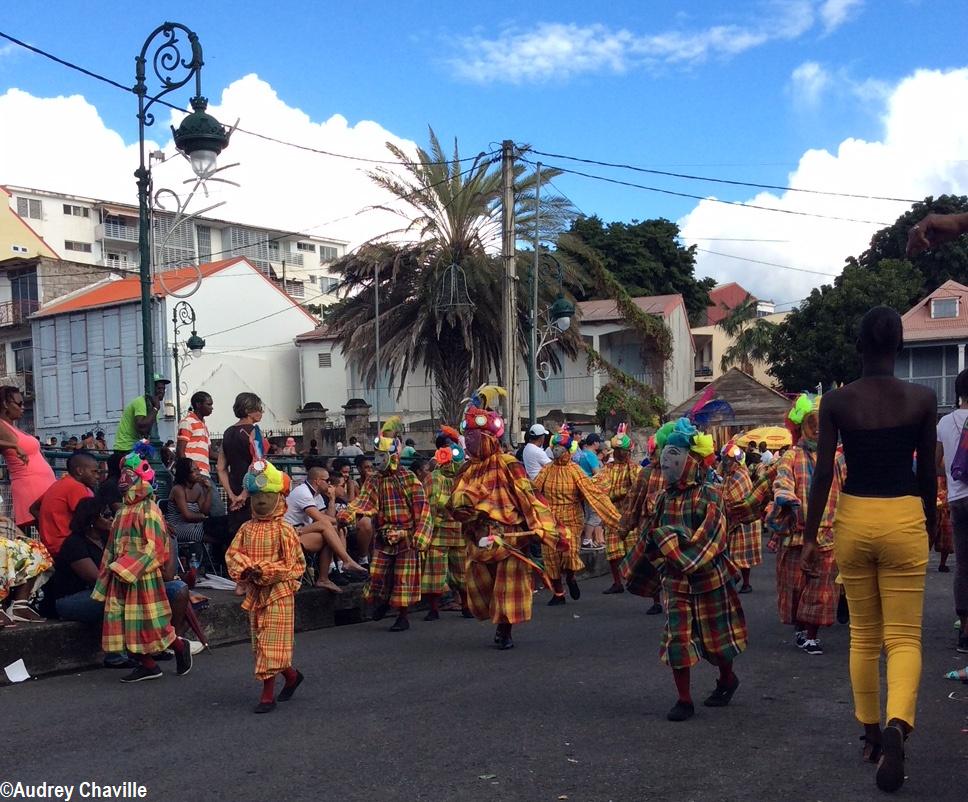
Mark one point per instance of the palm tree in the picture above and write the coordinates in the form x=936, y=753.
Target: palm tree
x=751, y=336
x=440, y=282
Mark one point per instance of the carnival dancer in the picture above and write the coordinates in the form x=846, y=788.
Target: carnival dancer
x=944, y=543
x=266, y=560
x=684, y=547
x=745, y=539
x=443, y=558
x=137, y=617
x=396, y=501
x=501, y=516
x=564, y=486
x=618, y=478
x=807, y=602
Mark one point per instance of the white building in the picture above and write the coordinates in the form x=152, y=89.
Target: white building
x=87, y=349
x=105, y=233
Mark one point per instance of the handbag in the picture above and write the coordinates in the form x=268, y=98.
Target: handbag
x=959, y=464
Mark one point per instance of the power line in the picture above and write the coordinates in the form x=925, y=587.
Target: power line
x=722, y=180
x=768, y=264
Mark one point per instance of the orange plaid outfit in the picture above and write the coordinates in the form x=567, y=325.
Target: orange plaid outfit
x=564, y=486
x=442, y=563
x=745, y=538
x=272, y=546
x=945, y=542
x=493, y=497
x=808, y=600
x=617, y=480
x=640, y=504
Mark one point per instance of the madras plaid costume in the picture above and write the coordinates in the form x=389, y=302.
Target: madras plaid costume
x=398, y=505
x=442, y=564
x=272, y=546
x=945, y=542
x=684, y=548
x=640, y=504
x=745, y=539
x=803, y=599
x=617, y=480
x=564, y=486
x=137, y=617
x=494, y=498
x=21, y=558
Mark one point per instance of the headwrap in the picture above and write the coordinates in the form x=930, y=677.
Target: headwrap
x=264, y=477
x=389, y=439
x=733, y=451
x=622, y=439
x=565, y=439
x=136, y=468
x=453, y=451
x=803, y=406
x=480, y=414
x=683, y=434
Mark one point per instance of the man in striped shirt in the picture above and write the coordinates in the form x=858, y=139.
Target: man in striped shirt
x=194, y=442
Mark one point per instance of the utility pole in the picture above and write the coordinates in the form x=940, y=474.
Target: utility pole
x=509, y=351
x=533, y=315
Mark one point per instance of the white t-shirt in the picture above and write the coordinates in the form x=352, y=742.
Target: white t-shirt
x=352, y=450
x=534, y=460
x=949, y=435
x=300, y=498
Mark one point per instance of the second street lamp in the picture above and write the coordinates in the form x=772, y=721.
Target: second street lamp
x=557, y=320
x=183, y=314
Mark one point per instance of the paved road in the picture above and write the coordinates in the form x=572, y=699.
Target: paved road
x=576, y=711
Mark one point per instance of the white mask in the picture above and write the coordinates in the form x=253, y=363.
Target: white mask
x=381, y=459
x=673, y=463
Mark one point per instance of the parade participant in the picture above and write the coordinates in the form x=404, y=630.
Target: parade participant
x=137, y=616
x=564, y=486
x=745, y=539
x=683, y=546
x=394, y=498
x=267, y=561
x=501, y=516
x=807, y=602
x=618, y=478
x=442, y=560
x=944, y=544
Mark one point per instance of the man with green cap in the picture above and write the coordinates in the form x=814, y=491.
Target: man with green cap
x=136, y=422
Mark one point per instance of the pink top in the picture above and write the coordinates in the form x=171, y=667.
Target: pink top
x=27, y=482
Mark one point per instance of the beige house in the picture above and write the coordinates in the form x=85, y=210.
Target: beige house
x=712, y=342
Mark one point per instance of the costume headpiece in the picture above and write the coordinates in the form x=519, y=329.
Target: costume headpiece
x=264, y=477
x=480, y=413
x=733, y=451
x=389, y=439
x=684, y=434
x=453, y=451
x=622, y=439
x=803, y=406
x=709, y=410
x=565, y=439
x=135, y=466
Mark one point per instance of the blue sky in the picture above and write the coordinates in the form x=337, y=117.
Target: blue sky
x=735, y=90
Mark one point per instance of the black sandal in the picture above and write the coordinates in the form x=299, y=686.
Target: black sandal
x=890, y=769
x=871, y=751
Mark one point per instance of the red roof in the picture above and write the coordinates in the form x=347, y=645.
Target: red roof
x=723, y=299
x=919, y=325
x=318, y=334
x=128, y=290
x=603, y=311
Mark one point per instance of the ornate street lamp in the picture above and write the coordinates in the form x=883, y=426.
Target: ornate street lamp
x=556, y=319
x=200, y=137
x=183, y=314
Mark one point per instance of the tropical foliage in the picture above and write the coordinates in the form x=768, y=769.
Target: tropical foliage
x=750, y=337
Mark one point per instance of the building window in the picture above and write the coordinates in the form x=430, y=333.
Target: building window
x=326, y=360
x=305, y=246
x=71, y=245
x=204, y=234
x=327, y=254
x=28, y=207
x=23, y=356
x=312, y=279
x=943, y=308
x=327, y=284
x=76, y=211
x=19, y=249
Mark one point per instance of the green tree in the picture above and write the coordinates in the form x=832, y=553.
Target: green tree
x=751, y=337
x=647, y=259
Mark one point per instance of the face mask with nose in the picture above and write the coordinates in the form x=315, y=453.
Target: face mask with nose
x=673, y=463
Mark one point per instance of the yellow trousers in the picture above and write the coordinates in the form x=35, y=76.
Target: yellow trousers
x=881, y=546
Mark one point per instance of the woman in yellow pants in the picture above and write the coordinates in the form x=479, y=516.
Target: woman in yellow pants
x=881, y=531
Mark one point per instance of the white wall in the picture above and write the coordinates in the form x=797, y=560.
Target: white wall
x=680, y=370
x=328, y=386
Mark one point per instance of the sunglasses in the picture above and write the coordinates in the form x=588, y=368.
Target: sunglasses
x=107, y=515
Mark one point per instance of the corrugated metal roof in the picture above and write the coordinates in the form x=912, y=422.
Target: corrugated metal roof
x=919, y=325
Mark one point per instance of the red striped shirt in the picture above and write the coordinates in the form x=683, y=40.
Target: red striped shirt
x=193, y=432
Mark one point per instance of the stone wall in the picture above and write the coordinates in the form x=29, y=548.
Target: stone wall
x=59, y=277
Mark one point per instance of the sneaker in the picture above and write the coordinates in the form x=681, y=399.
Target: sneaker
x=556, y=600
x=655, y=609
x=142, y=673
x=195, y=646
x=963, y=644
x=183, y=659
x=681, y=711
x=586, y=544
x=801, y=638
x=722, y=694
x=164, y=656
x=813, y=646
x=573, y=588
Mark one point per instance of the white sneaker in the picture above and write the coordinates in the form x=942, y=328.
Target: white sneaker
x=195, y=646
x=801, y=638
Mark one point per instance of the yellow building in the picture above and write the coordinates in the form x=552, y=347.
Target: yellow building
x=17, y=238
x=712, y=342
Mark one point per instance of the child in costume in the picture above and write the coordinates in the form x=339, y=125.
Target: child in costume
x=944, y=544
x=745, y=538
x=267, y=562
x=394, y=498
x=564, y=486
x=501, y=517
x=137, y=617
x=618, y=478
x=684, y=547
x=807, y=602
x=442, y=562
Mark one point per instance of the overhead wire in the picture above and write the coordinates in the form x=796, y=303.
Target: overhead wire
x=768, y=264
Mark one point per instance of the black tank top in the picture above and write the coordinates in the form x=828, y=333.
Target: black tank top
x=880, y=462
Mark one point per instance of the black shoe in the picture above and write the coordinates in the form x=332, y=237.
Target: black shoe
x=264, y=707
x=127, y=663
x=504, y=643
x=613, y=589
x=163, y=657
x=655, y=609
x=573, y=590
x=963, y=644
x=433, y=615
x=556, y=600
x=890, y=770
x=723, y=693
x=400, y=625
x=380, y=611
x=746, y=589
x=288, y=690
x=142, y=673
x=183, y=659
x=944, y=569
x=498, y=635
x=465, y=613
x=843, y=612
x=339, y=578
x=681, y=711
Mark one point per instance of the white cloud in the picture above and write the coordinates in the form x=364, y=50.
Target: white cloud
x=808, y=83
x=66, y=147
x=559, y=51
x=834, y=13
x=920, y=152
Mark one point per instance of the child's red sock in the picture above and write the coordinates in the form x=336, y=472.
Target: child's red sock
x=179, y=646
x=290, y=675
x=268, y=691
x=434, y=599
x=616, y=576
x=681, y=677
x=726, y=672
x=147, y=661
x=558, y=587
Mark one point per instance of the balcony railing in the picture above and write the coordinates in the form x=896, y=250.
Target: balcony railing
x=117, y=231
x=15, y=313
x=291, y=258
x=704, y=370
x=943, y=386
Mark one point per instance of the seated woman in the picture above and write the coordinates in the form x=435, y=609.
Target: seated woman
x=68, y=594
x=22, y=561
x=188, y=505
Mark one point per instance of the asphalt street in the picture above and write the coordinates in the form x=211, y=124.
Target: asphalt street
x=576, y=712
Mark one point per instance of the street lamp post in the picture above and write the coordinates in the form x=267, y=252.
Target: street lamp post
x=557, y=320
x=200, y=137
x=183, y=314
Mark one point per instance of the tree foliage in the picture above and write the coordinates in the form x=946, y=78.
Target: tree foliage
x=751, y=337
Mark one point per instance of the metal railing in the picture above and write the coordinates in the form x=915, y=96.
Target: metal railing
x=15, y=313
x=116, y=231
x=943, y=386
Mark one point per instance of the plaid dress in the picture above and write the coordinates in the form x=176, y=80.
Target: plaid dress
x=617, y=480
x=271, y=545
x=684, y=548
x=745, y=539
x=564, y=486
x=493, y=497
x=137, y=617
x=396, y=502
x=21, y=558
x=641, y=502
x=442, y=564
x=945, y=540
